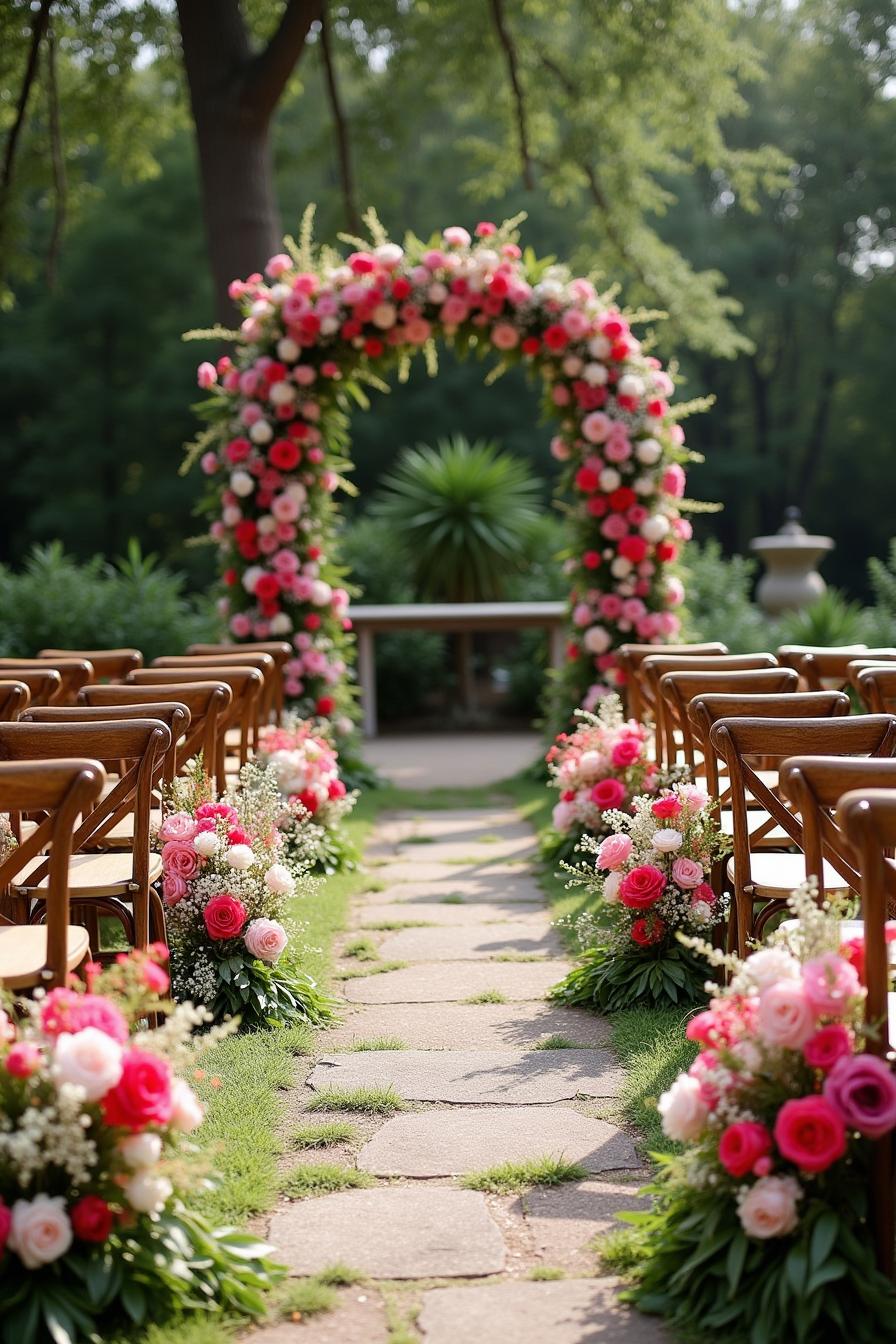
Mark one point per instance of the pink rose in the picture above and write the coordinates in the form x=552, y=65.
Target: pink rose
x=642, y=887
x=596, y=427
x=703, y=892
x=666, y=808
x=828, y=1044
x=742, y=1145
x=692, y=797
x=626, y=751
x=180, y=859
x=5, y=1224
x=687, y=873
x=206, y=375
x=830, y=982
x=23, y=1059
x=810, y=1133
x=177, y=826
x=224, y=916
x=265, y=939
x=607, y=794
x=614, y=851
x=863, y=1090
x=785, y=1016
x=174, y=888
x=769, y=1208
x=142, y=1095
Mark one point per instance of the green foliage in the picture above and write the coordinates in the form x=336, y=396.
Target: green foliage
x=609, y=981
x=323, y=1178
x=323, y=1134
x=308, y=1297
x=719, y=600
x=55, y=602
x=556, y=1042
x=487, y=996
x=380, y=1043
x=363, y=1100
x=463, y=513
x=832, y=619
x=650, y=1044
x=264, y=995
x=512, y=1178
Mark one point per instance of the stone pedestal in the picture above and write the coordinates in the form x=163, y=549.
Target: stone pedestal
x=791, y=580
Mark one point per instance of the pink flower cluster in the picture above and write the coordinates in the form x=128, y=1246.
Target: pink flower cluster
x=598, y=769
x=778, y=1091
x=307, y=332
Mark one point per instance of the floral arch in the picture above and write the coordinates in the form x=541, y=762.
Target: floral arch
x=319, y=328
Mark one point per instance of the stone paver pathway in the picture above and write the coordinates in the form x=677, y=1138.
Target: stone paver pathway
x=484, y=1071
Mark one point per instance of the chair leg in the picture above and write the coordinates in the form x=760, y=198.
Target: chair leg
x=157, y=930
x=882, y=1204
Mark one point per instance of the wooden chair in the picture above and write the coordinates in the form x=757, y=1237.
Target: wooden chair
x=280, y=650
x=770, y=878
x=14, y=697
x=875, y=685
x=820, y=671
x=629, y=658
x=207, y=702
x=109, y=665
x=44, y=684
x=867, y=818
x=116, y=883
x=792, y=655
x=246, y=685
x=263, y=662
x=656, y=665
x=74, y=673
x=59, y=792
x=677, y=689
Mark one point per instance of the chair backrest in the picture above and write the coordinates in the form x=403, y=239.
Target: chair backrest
x=44, y=683
x=139, y=744
x=815, y=785
x=207, y=701
x=60, y=791
x=14, y=697
x=677, y=690
x=875, y=684
x=263, y=662
x=823, y=669
x=280, y=650
x=791, y=655
x=110, y=665
x=246, y=684
x=656, y=665
x=74, y=673
x=175, y=716
x=629, y=658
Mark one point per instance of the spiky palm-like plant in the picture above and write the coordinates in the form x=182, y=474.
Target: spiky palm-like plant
x=463, y=513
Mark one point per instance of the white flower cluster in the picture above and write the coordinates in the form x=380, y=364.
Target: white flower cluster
x=52, y=1135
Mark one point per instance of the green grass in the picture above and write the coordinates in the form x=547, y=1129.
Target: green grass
x=372, y=885
x=380, y=968
x=487, y=996
x=453, y=898
x=545, y=1273
x=324, y=1134
x=557, y=1042
x=341, y=1276
x=360, y=1100
x=391, y=925
x=418, y=840
x=308, y=1297
x=365, y=949
x=518, y=956
x=651, y=1044
x=322, y=1178
x=381, y=1043
x=513, y=1178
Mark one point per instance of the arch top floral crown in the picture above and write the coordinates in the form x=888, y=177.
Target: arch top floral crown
x=319, y=328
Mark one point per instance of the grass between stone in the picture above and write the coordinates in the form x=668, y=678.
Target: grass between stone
x=557, y=1042
x=365, y=949
x=545, y=1273
x=362, y=1100
x=322, y=1178
x=391, y=925
x=380, y=1043
x=378, y=968
x=324, y=1134
x=513, y=1178
x=487, y=996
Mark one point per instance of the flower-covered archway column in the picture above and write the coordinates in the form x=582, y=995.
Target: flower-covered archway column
x=319, y=327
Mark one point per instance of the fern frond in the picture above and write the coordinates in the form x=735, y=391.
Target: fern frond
x=215, y=333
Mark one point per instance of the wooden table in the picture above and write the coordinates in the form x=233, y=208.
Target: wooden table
x=448, y=619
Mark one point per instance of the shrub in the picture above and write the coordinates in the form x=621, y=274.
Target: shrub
x=720, y=604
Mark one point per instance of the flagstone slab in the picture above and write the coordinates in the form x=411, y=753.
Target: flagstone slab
x=482, y=888
x=478, y=1077
x=416, y=869
x=399, y=1233
x=464, y=944
x=564, y=1220
x=440, y=1026
x=569, y=1311
x=455, y=1142
x=470, y=847
x=466, y=915
x=452, y=982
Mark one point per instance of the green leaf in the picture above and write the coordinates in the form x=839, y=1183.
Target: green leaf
x=133, y=1300
x=734, y=1264
x=824, y=1234
x=796, y=1268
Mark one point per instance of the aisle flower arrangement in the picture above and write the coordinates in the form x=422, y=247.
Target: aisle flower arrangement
x=305, y=764
x=651, y=880
x=226, y=884
x=318, y=328
x=599, y=768
x=96, y=1170
x=759, y=1228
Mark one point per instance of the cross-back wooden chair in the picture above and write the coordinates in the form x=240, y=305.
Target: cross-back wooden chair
x=280, y=650
x=822, y=670
x=654, y=667
x=14, y=697
x=263, y=662
x=206, y=701
x=245, y=684
x=116, y=883
x=867, y=818
x=44, y=683
x=629, y=658
x=677, y=689
x=764, y=878
x=57, y=792
x=73, y=672
x=109, y=665
x=792, y=655
x=875, y=685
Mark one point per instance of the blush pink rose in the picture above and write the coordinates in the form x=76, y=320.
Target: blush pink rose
x=177, y=826
x=863, y=1091
x=265, y=939
x=174, y=888
x=810, y=1133
x=830, y=982
x=614, y=851
x=607, y=794
x=785, y=1016
x=769, y=1208
x=642, y=887
x=687, y=873
x=180, y=859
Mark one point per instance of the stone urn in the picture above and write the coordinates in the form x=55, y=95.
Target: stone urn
x=791, y=580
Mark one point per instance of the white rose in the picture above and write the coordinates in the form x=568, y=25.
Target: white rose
x=296, y=491
x=620, y=568
x=683, y=1110
x=279, y=879
x=251, y=577
x=595, y=375
x=282, y=393
x=89, y=1059
x=241, y=483
x=648, y=451
x=769, y=1207
x=589, y=760
x=287, y=350
x=390, y=254
x=655, y=528
x=279, y=292
x=597, y=640
x=572, y=366
x=329, y=326
x=261, y=308
x=40, y=1231
x=205, y=843
x=766, y=967
x=644, y=485
x=239, y=857
x=610, y=890
x=667, y=841
x=599, y=346
x=148, y=1194
x=437, y=293
x=281, y=624
x=231, y=515
x=321, y=593
x=186, y=1109
x=630, y=385
x=610, y=479
x=141, y=1150
x=267, y=523
x=261, y=432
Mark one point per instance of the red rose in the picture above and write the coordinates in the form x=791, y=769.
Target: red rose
x=312, y=621
x=267, y=587
x=634, y=549
x=336, y=789
x=591, y=559
x=92, y=1219
x=224, y=916
x=401, y=287
x=626, y=751
x=666, y=808
x=642, y=887
x=142, y=1096
x=556, y=337
x=587, y=479
x=742, y=1145
x=622, y=499
x=810, y=1133
x=666, y=551
x=284, y=455
x=648, y=931
x=608, y=793
x=325, y=705
x=309, y=801
x=531, y=345
x=245, y=531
